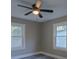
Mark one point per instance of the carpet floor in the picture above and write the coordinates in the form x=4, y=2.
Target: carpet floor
x=40, y=56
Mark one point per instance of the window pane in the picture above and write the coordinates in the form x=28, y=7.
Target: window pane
x=61, y=42
x=16, y=42
x=61, y=33
x=16, y=35
x=61, y=28
x=16, y=31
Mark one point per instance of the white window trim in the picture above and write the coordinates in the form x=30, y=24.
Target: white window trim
x=23, y=36
x=54, y=35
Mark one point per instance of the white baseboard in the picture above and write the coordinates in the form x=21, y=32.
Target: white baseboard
x=52, y=55
x=31, y=54
x=25, y=55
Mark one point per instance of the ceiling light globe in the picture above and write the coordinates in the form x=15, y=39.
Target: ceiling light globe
x=35, y=12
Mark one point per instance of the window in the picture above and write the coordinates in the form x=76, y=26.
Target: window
x=17, y=35
x=60, y=36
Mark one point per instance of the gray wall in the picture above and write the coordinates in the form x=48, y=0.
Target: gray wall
x=47, y=37
x=32, y=37
x=39, y=37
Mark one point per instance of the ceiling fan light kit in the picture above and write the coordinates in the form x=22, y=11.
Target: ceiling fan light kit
x=36, y=10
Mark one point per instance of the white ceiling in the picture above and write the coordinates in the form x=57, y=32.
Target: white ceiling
x=59, y=7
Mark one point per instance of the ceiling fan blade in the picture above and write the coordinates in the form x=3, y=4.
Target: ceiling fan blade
x=28, y=13
x=40, y=16
x=24, y=6
x=46, y=10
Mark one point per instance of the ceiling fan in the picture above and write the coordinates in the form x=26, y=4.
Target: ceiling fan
x=36, y=9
